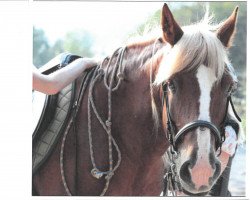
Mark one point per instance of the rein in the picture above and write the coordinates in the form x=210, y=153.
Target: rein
x=76, y=107
x=107, y=124
x=95, y=75
x=171, y=179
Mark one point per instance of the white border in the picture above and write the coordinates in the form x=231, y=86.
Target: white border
x=15, y=105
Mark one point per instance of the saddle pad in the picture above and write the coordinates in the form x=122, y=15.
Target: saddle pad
x=44, y=144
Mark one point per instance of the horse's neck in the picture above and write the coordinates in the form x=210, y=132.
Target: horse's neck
x=138, y=101
x=142, y=67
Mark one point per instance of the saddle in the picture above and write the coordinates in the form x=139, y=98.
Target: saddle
x=53, y=113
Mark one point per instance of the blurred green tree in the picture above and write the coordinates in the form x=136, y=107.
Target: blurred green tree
x=191, y=12
x=41, y=48
x=76, y=42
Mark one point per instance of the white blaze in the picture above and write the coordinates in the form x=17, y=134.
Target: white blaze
x=206, y=78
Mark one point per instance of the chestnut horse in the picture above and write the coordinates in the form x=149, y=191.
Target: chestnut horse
x=121, y=132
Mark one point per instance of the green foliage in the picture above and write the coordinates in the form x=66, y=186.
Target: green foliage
x=193, y=12
x=41, y=48
x=190, y=12
x=79, y=42
x=76, y=42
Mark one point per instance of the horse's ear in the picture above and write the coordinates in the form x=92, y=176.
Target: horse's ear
x=227, y=30
x=172, y=32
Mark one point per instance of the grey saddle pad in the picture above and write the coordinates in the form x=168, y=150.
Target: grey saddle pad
x=45, y=142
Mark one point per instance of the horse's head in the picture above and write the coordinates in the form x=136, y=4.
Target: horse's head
x=198, y=79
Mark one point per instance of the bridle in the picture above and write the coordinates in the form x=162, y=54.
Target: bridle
x=174, y=136
x=171, y=179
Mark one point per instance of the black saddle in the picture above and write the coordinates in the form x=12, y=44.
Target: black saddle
x=55, y=111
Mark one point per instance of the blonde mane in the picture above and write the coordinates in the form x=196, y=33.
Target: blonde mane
x=198, y=45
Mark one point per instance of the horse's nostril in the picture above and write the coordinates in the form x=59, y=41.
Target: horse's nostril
x=217, y=169
x=185, y=171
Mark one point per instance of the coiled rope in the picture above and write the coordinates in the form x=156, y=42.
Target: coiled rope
x=98, y=73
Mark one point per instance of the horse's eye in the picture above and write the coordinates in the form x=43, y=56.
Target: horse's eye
x=232, y=88
x=171, y=86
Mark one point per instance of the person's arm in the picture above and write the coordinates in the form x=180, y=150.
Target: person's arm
x=54, y=82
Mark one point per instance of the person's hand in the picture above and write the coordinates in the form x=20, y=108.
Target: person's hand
x=89, y=62
x=230, y=143
x=228, y=146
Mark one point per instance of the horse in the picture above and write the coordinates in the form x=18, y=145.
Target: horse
x=168, y=92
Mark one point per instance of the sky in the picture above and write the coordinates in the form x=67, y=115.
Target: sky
x=108, y=22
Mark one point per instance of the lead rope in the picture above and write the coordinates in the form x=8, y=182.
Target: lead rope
x=171, y=178
x=76, y=107
x=168, y=179
x=106, y=125
x=98, y=73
